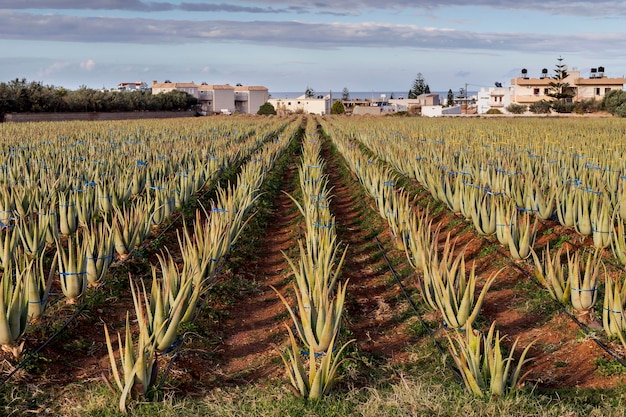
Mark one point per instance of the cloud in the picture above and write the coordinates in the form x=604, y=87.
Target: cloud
x=134, y=5
x=53, y=68
x=295, y=34
x=144, y=6
x=88, y=65
x=598, y=8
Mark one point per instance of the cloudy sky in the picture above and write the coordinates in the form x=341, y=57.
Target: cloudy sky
x=364, y=45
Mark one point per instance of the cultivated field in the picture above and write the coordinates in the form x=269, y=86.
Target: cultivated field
x=313, y=266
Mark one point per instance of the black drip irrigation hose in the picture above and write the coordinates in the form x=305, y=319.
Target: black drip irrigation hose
x=32, y=355
x=455, y=372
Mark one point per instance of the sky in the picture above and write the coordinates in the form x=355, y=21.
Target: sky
x=361, y=45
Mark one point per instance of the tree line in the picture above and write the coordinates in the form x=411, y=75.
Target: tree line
x=22, y=96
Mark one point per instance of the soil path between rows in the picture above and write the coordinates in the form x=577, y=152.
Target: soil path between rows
x=256, y=321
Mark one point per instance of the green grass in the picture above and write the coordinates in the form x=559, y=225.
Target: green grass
x=557, y=242
x=609, y=367
x=536, y=300
x=420, y=391
x=486, y=250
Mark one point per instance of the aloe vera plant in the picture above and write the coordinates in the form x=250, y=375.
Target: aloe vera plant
x=420, y=239
x=602, y=227
x=397, y=215
x=521, y=235
x=68, y=215
x=566, y=206
x=618, y=240
x=131, y=226
x=85, y=201
x=318, y=319
x=49, y=221
x=485, y=214
x=112, y=194
x=100, y=246
x=37, y=286
x=72, y=268
x=482, y=364
x=584, y=202
x=552, y=274
x=321, y=377
x=161, y=311
x=583, y=277
x=139, y=367
x=23, y=197
x=208, y=244
x=451, y=291
x=8, y=245
x=613, y=320
x=163, y=201
x=32, y=236
x=542, y=202
x=13, y=311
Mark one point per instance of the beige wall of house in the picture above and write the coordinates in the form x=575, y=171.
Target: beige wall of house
x=530, y=90
x=251, y=98
x=214, y=98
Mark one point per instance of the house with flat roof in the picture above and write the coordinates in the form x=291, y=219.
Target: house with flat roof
x=312, y=105
x=249, y=98
x=493, y=98
x=167, y=86
x=219, y=98
x=527, y=90
x=132, y=86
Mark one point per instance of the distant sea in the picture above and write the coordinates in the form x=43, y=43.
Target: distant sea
x=361, y=95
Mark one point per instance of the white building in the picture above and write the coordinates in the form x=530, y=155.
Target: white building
x=320, y=105
x=494, y=98
x=381, y=109
x=132, y=86
x=438, y=111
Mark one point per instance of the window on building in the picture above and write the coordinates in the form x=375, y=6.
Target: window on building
x=536, y=91
x=607, y=89
x=597, y=91
x=546, y=91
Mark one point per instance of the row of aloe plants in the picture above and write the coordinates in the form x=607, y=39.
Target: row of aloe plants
x=520, y=166
x=319, y=295
x=82, y=250
x=590, y=197
x=176, y=290
x=446, y=285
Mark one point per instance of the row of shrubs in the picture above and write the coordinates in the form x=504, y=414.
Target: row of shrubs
x=613, y=102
